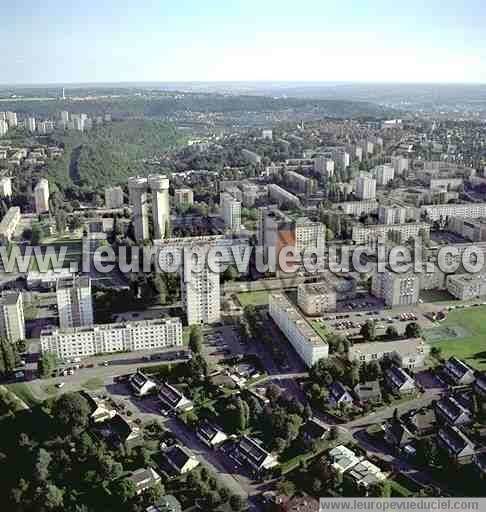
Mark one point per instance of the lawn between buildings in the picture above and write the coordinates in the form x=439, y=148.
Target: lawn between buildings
x=258, y=298
x=464, y=336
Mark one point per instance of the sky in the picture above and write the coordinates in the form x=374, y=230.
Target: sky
x=215, y=40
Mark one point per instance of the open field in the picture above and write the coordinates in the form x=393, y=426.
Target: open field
x=259, y=298
x=464, y=336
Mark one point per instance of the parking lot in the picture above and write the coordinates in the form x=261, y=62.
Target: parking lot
x=351, y=315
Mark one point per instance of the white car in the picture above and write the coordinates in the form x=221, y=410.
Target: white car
x=60, y=385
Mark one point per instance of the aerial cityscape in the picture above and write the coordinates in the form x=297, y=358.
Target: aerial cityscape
x=226, y=286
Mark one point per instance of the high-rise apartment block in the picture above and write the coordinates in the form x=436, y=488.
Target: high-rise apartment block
x=396, y=289
x=384, y=174
x=183, y=197
x=12, y=323
x=201, y=294
x=113, y=197
x=392, y=215
x=365, y=186
x=5, y=186
x=3, y=127
x=141, y=190
x=74, y=302
x=30, y=124
x=231, y=212
x=41, y=196
x=12, y=119
x=324, y=166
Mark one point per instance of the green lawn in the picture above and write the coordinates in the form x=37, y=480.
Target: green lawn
x=320, y=328
x=92, y=384
x=471, y=347
x=259, y=298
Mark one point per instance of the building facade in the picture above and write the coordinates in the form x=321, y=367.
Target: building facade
x=108, y=338
x=74, y=302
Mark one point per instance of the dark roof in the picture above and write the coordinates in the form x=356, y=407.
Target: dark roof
x=252, y=451
x=398, y=376
x=178, y=456
x=139, y=379
x=207, y=430
x=457, y=367
x=170, y=394
x=454, y=439
x=337, y=391
x=314, y=429
x=450, y=408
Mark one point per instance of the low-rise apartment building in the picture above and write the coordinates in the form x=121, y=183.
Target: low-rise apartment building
x=308, y=345
x=115, y=337
x=410, y=353
x=369, y=234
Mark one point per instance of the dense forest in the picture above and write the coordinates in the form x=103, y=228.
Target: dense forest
x=109, y=154
x=162, y=105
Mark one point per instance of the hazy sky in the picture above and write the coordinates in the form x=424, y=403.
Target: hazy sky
x=323, y=40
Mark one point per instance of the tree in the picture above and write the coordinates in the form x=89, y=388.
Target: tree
x=286, y=487
x=124, y=490
x=46, y=365
x=196, y=339
x=41, y=466
x=413, y=330
x=236, y=502
x=53, y=497
x=8, y=356
x=72, y=411
x=368, y=331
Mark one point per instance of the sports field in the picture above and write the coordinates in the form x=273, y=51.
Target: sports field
x=462, y=334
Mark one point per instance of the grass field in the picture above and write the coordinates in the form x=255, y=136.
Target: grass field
x=472, y=346
x=259, y=298
x=92, y=384
x=320, y=328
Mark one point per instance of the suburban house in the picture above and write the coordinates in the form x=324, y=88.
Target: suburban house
x=365, y=474
x=448, y=409
x=209, y=434
x=459, y=372
x=368, y=392
x=422, y=422
x=119, y=431
x=480, y=388
x=167, y=503
x=399, y=381
x=173, y=398
x=397, y=434
x=313, y=430
x=250, y=452
x=342, y=458
x=181, y=459
x=100, y=410
x=457, y=446
x=144, y=478
x=141, y=384
x=338, y=395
